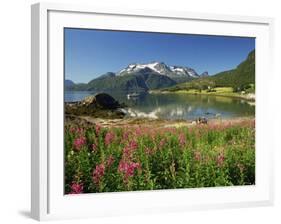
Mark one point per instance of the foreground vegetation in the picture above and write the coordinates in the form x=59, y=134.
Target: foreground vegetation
x=99, y=159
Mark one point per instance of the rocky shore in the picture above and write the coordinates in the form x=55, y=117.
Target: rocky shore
x=101, y=105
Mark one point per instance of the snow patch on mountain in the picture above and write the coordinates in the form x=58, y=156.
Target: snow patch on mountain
x=162, y=69
x=180, y=70
x=136, y=67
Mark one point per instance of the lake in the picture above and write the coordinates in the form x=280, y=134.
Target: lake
x=176, y=106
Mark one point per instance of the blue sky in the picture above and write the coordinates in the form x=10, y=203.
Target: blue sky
x=91, y=53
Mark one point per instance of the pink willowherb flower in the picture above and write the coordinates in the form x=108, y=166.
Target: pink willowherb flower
x=220, y=159
x=98, y=173
x=97, y=129
x=110, y=161
x=129, y=149
x=79, y=142
x=182, y=139
x=139, y=131
x=80, y=131
x=127, y=168
x=109, y=137
x=162, y=142
x=72, y=129
x=94, y=147
x=76, y=188
x=133, y=145
x=125, y=136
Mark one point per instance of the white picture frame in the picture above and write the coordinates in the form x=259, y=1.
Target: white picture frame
x=47, y=198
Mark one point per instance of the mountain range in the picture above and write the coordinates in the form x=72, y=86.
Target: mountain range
x=139, y=77
x=158, y=75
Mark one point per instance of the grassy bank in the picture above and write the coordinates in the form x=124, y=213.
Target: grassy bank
x=218, y=91
x=100, y=159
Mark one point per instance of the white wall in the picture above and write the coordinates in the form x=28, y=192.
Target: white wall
x=15, y=109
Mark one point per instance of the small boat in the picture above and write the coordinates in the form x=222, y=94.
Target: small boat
x=133, y=95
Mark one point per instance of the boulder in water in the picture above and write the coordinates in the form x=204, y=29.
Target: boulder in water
x=101, y=100
x=100, y=105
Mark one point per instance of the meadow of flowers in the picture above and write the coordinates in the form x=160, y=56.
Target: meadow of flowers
x=99, y=159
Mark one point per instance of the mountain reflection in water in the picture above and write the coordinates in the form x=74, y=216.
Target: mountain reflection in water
x=176, y=106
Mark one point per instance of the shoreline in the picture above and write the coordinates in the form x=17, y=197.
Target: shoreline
x=248, y=97
x=149, y=122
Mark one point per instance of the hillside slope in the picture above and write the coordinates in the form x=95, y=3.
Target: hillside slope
x=239, y=78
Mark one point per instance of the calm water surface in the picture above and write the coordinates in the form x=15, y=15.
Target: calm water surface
x=176, y=106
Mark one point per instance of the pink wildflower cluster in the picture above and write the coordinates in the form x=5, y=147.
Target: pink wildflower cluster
x=79, y=142
x=72, y=130
x=125, y=136
x=128, y=168
x=77, y=130
x=98, y=173
x=139, y=131
x=94, y=147
x=76, y=188
x=109, y=137
x=221, y=126
x=129, y=149
x=110, y=161
x=97, y=129
x=182, y=139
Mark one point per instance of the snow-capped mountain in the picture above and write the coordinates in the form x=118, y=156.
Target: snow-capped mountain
x=142, y=77
x=177, y=73
x=180, y=70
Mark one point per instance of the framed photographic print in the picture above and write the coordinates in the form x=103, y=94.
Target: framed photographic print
x=138, y=111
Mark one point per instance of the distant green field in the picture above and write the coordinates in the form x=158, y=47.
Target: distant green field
x=228, y=91
x=217, y=91
x=224, y=90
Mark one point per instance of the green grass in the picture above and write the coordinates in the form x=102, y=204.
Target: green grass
x=223, y=89
x=141, y=158
x=217, y=91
